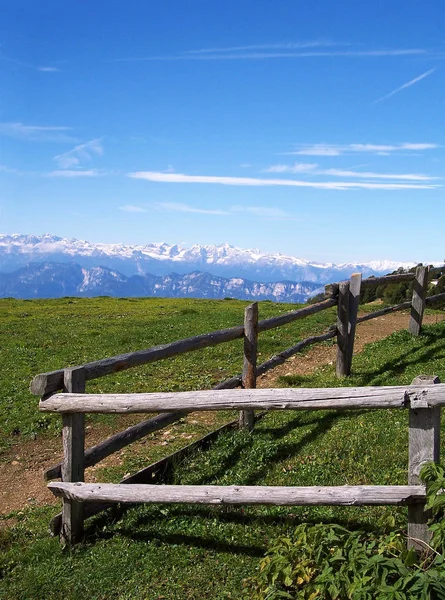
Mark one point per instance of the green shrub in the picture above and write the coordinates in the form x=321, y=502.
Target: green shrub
x=327, y=561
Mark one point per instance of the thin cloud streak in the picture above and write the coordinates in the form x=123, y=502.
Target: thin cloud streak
x=405, y=86
x=312, y=169
x=69, y=174
x=257, y=211
x=256, y=182
x=80, y=152
x=36, y=133
x=133, y=209
x=337, y=150
x=279, y=46
x=267, y=55
x=262, y=211
x=185, y=208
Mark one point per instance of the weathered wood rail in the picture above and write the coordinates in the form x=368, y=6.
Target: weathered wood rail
x=422, y=399
x=73, y=403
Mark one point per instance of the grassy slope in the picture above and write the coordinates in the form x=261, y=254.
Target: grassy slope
x=42, y=335
x=187, y=552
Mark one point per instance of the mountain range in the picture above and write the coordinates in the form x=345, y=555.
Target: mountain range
x=49, y=266
x=54, y=280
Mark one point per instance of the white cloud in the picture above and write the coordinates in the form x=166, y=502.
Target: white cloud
x=133, y=209
x=256, y=182
x=279, y=46
x=185, y=208
x=40, y=133
x=262, y=211
x=258, y=211
x=405, y=86
x=85, y=151
x=312, y=169
x=48, y=69
x=338, y=149
x=72, y=173
x=295, y=168
x=228, y=54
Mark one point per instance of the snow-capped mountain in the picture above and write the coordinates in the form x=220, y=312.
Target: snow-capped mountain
x=160, y=259
x=53, y=280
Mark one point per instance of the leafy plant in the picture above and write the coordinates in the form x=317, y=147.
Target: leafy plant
x=331, y=562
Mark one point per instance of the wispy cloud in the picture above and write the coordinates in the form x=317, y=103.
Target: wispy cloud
x=256, y=182
x=9, y=170
x=295, y=168
x=186, y=208
x=279, y=46
x=69, y=174
x=405, y=85
x=36, y=133
x=133, y=209
x=338, y=149
x=278, y=50
x=262, y=211
x=21, y=63
x=85, y=151
x=49, y=69
x=313, y=169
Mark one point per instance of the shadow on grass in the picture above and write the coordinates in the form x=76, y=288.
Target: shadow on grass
x=148, y=528
x=431, y=348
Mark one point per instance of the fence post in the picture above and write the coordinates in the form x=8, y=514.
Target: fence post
x=342, y=328
x=355, y=284
x=424, y=446
x=73, y=435
x=246, y=417
x=418, y=300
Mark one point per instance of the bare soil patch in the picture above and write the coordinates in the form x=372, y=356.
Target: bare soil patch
x=22, y=467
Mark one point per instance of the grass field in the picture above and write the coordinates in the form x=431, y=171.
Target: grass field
x=155, y=552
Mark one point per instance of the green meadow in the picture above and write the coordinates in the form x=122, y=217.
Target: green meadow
x=189, y=552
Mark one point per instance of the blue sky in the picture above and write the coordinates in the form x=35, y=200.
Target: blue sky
x=309, y=128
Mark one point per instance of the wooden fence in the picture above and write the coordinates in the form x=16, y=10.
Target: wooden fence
x=73, y=403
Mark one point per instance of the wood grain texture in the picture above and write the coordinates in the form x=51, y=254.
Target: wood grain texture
x=268, y=399
x=246, y=417
x=354, y=299
x=72, y=470
x=418, y=300
x=342, y=329
x=214, y=494
x=436, y=299
x=424, y=446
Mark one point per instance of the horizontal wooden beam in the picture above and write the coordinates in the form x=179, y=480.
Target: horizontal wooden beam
x=387, y=279
x=47, y=383
x=347, y=495
x=156, y=473
x=435, y=299
x=280, y=358
x=255, y=399
x=301, y=313
x=136, y=432
x=385, y=311
x=118, y=441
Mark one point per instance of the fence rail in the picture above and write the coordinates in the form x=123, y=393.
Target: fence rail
x=422, y=399
x=73, y=403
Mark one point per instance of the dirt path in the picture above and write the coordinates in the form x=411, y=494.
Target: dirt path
x=21, y=469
